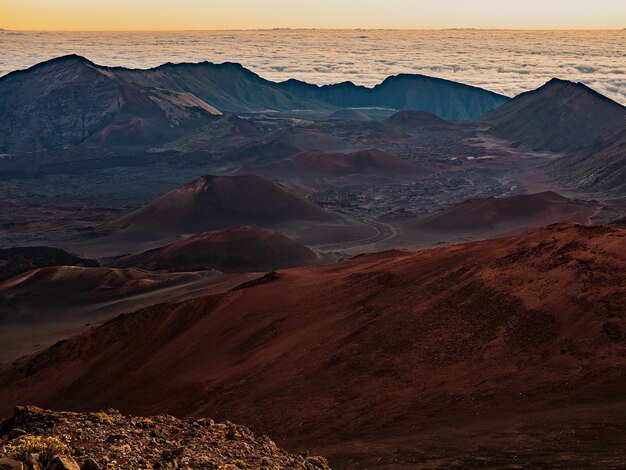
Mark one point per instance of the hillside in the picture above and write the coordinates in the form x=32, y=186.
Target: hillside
x=509, y=349
x=18, y=260
x=73, y=441
x=219, y=202
x=70, y=100
x=491, y=216
x=560, y=116
x=43, y=306
x=404, y=120
x=234, y=250
x=599, y=167
x=321, y=165
x=26, y=297
x=230, y=87
x=349, y=114
x=284, y=143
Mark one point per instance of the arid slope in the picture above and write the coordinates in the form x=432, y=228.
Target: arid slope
x=511, y=350
x=507, y=215
x=314, y=164
x=233, y=250
x=560, y=116
x=219, y=202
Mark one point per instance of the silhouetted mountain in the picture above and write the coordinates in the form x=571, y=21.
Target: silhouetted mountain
x=229, y=87
x=70, y=100
x=598, y=167
x=560, y=116
x=446, y=99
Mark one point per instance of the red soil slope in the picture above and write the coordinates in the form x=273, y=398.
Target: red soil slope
x=20, y=259
x=317, y=164
x=235, y=250
x=492, y=354
x=46, y=305
x=25, y=296
x=218, y=202
x=507, y=214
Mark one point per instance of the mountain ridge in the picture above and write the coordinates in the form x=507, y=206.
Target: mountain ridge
x=71, y=101
x=232, y=88
x=560, y=116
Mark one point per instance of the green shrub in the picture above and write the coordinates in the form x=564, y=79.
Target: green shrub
x=102, y=418
x=46, y=447
x=147, y=423
x=239, y=463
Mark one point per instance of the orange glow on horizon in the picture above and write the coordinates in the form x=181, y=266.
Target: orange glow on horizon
x=145, y=15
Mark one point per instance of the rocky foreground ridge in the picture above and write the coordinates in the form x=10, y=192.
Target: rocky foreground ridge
x=38, y=439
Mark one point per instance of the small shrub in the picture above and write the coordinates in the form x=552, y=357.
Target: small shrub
x=319, y=461
x=102, y=418
x=205, y=422
x=47, y=447
x=239, y=463
x=147, y=423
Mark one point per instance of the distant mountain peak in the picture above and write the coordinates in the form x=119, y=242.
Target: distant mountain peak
x=560, y=116
x=556, y=80
x=72, y=57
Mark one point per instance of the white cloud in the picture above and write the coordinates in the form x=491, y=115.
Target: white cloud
x=507, y=62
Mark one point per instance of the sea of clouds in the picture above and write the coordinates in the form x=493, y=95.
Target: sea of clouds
x=507, y=62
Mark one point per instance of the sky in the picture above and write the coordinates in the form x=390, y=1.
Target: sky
x=152, y=15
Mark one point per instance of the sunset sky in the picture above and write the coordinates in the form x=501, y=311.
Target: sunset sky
x=249, y=14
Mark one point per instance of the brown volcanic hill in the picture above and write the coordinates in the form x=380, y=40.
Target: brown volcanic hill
x=235, y=250
x=17, y=260
x=284, y=143
x=598, y=167
x=70, y=100
x=507, y=214
x=415, y=119
x=218, y=202
x=318, y=164
x=25, y=297
x=96, y=440
x=509, y=350
x=40, y=307
x=560, y=116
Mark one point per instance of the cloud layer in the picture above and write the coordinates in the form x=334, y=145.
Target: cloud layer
x=507, y=62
